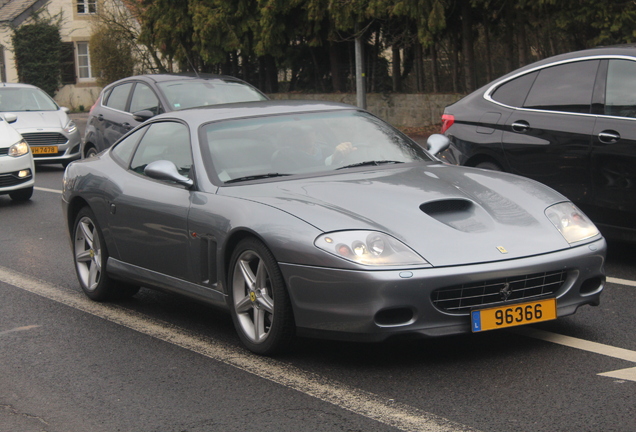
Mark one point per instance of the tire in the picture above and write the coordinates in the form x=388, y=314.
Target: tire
x=90, y=152
x=21, y=194
x=489, y=165
x=258, y=300
x=90, y=256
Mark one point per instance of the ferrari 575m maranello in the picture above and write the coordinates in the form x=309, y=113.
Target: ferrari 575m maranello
x=321, y=220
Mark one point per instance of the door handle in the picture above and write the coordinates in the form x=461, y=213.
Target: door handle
x=609, y=137
x=520, y=126
x=100, y=117
x=127, y=126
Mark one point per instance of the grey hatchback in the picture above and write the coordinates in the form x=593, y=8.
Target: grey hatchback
x=128, y=102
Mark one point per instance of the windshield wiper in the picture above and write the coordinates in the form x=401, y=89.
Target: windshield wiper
x=256, y=177
x=369, y=163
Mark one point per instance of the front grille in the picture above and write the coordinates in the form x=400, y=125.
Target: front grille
x=44, y=138
x=4, y=151
x=7, y=180
x=462, y=298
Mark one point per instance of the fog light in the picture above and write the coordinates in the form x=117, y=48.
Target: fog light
x=24, y=173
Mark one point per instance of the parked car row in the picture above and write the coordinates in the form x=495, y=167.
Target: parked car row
x=569, y=122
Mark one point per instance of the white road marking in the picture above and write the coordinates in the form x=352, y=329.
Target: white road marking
x=17, y=329
x=47, y=190
x=581, y=344
x=369, y=405
x=621, y=281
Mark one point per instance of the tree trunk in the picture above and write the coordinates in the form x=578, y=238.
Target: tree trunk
x=334, y=65
x=435, y=68
x=396, y=70
x=467, y=47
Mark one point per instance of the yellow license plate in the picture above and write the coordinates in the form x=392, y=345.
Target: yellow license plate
x=44, y=149
x=513, y=315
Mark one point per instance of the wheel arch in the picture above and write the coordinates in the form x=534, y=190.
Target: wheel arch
x=483, y=157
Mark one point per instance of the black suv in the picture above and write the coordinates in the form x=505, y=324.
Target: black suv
x=568, y=121
x=128, y=102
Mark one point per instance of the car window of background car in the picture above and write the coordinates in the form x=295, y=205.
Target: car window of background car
x=620, y=93
x=143, y=98
x=118, y=97
x=123, y=151
x=164, y=141
x=513, y=93
x=25, y=99
x=567, y=87
x=190, y=94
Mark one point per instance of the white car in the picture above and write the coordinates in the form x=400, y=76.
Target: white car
x=17, y=171
x=46, y=127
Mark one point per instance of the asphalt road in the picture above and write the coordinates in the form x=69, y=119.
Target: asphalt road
x=163, y=363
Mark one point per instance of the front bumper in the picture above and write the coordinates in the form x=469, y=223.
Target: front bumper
x=68, y=145
x=9, y=168
x=376, y=305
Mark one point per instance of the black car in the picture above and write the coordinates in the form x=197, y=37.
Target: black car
x=128, y=102
x=568, y=121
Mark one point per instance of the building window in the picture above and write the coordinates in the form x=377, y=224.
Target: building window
x=86, y=6
x=83, y=61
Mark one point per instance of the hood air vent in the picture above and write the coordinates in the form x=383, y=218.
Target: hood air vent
x=460, y=214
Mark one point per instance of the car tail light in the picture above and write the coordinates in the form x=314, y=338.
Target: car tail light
x=447, y=121
x=94, y=105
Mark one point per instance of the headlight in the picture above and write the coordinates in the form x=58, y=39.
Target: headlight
x=19, y=149
x=70, y=127
x=368, y=248
x=571, y=222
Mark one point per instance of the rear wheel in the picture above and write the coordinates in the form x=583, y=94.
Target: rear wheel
x=91, y=255
x=22, y=194
x=259, y=303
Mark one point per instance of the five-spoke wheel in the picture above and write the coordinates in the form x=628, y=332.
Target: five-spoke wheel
x=259, y=303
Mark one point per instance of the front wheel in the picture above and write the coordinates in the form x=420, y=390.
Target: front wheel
x=259, y=303
x=21, y=194
x=91, y=255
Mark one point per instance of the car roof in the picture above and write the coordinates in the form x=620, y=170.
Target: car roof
x=627, y=50
x=252, y=109
x=19, y=85
x=157, y=78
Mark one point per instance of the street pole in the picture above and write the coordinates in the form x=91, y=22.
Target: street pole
x=361, y=91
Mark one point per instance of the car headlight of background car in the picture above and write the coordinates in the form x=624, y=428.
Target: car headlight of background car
x=70, y=127
x=18, y=149
x=368, y=248
x=571, y=222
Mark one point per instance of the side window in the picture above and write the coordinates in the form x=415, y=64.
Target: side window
x=144, y=98
x=164, y=141
x=620, y=93
x=567, y=87
x=514, y=92
x=125, y=148
x=118, y=97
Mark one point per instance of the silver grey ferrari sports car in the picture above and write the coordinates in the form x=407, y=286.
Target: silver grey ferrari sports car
x=321, y=220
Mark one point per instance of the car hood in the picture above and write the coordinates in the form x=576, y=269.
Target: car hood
x=8, y=135
x=34, y=121
x=449, y=215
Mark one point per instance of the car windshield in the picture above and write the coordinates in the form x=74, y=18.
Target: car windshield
x=25, y=99
x=198, y=93
x=276, y=146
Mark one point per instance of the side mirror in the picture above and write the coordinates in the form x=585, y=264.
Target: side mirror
x=166, y=170
x=437, y=143
x=143, y=115
x=10, y=118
